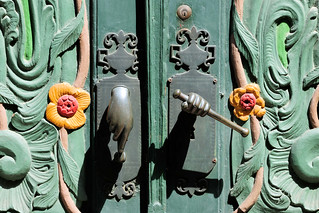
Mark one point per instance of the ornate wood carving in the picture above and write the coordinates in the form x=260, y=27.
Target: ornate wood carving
x=37, y=40
x=277, y=171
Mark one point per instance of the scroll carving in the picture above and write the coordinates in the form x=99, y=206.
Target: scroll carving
x=275, y=170
x=34, y=37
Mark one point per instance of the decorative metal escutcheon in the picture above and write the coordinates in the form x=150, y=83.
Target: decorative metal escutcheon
x=118, y=115
x=191, y=139
x=119, y=60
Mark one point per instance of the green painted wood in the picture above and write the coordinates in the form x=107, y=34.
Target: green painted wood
x=109, y=16
x=214, y=19
x=113, y=16
x=29, y=45
x=282, y=31
x=157, y=104
x=37, y=39
x=277, y=40
x=287, y=74
x=161, y=26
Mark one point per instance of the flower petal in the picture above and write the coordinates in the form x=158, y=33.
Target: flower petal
x=53, y=116
x=83, y=98
x=240, y=91
x=76, y=121
x=252, y=86
x=234, y=97
x=256, y=109
x=244, y=118
x=241, y=117
x=58, y=90
x=241, y=114
x=231, y=98
x=260, y=101
x=254, y=89
x=261, y=113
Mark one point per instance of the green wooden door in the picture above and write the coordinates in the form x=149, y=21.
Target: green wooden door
x=157, y=188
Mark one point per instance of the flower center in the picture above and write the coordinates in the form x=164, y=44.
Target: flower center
x=67, y=106
x=248, y=101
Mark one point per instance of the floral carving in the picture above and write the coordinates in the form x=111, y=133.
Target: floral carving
x=32, y=56
x=284, y=147
x=247, y=101
x=32, y=173
x=67, y=106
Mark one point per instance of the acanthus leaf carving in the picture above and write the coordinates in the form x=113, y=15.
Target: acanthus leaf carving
x=289, y=184
x=67, y=36
x=25, y=80
x=70, y=169
x=41, y=177
x=246, y=43
x=252, y=162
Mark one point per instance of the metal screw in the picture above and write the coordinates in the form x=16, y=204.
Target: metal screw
x=214, y=160
x=215, y=80
x=169, y=80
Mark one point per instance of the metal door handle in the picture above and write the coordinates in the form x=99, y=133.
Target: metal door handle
x=120, y=119
x=183, y=97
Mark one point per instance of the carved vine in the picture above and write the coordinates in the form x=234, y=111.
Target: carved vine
x=29, y=166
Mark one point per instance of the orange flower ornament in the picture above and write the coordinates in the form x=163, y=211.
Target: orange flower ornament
x=247, y=101
x=67, y=106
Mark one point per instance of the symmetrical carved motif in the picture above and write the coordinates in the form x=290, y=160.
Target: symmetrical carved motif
x=34, y=37
x=121, y=59
x=122, y=190
x=193, y=56
x=281, y=165
x=67, y=105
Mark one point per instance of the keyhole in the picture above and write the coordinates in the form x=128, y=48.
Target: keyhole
x=184, y=13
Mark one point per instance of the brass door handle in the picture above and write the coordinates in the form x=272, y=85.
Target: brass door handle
x=120, y=119
x=183, y=97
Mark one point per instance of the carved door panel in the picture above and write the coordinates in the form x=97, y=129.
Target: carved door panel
x=276, y=169
x=272, y=46
x=43, y=101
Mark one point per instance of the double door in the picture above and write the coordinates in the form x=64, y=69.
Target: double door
x=174, y=161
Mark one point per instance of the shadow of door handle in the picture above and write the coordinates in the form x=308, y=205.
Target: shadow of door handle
x=120, y=119
x=183, y=97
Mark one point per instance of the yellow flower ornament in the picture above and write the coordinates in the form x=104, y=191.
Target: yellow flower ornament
x=67, y=106
x=247, y=101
